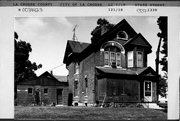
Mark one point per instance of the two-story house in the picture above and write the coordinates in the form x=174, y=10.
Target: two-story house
x=112, y=68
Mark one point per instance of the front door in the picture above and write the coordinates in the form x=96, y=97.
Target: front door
x=148, y=91
x=59, y=96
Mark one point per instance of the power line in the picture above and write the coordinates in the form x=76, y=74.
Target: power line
x=56, y=67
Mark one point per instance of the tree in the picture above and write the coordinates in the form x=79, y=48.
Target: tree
x=162, y=23
x=24, y=68
x=96, y=33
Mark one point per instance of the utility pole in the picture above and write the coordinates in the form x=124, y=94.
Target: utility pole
x=157, y=56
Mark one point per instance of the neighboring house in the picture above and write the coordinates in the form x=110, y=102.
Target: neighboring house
x=112, y=68
x=46, y=89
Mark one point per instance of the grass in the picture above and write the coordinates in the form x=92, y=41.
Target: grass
x=87, y=113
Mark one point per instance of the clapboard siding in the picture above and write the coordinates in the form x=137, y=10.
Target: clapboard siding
x=45, y=81
x=51, y=97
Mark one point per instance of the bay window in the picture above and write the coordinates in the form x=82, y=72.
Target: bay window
x=110, y=57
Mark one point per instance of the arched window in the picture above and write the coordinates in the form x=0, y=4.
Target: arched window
x=112, y=53
x=122, y=35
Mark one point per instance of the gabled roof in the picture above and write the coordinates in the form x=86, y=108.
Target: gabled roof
x=61, y=78
x=50, y=81
x=47, y=74
x=74, y=47
x=121, y=71
x=146, y=71
x=106, y=37
x=139, y=40
x=79, y=51
x=77, y=47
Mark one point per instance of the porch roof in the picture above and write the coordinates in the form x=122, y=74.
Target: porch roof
x=146, y=71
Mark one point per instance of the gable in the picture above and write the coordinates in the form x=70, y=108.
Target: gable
x=109, y=36
x=147, y=72
x=45, y=79
x=138, y=40
x=49, y=81
x=61, y=78
x=73, y=48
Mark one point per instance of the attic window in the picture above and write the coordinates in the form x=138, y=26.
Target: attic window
x=122, y=35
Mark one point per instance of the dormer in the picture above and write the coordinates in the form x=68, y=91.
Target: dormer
x=137, y=50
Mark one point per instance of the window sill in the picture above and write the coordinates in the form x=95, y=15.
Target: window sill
x=76, y=74
x=119, y=67
x=107, y=66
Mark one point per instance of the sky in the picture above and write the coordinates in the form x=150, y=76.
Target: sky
x=48, y=36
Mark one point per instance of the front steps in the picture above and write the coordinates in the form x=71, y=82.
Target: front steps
x=151, y=105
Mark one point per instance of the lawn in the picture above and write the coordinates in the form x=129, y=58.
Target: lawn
x=88, y=113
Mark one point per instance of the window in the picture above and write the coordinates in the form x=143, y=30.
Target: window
x=147, y=88
x=118, y=59
x=112, y=57
x=86, y=85
x=75, y=88
x=46, y=91
x=30, y=91
x=122, y=35
x=130, y=59
x=76, y=68
x=139, y=59
x=106, y=58
x=86, y=82
x=75, y=84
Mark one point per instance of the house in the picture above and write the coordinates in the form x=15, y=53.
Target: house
x=46, y=89
x=112, y=68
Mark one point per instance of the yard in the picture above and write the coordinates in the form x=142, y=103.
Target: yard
x=88, y=113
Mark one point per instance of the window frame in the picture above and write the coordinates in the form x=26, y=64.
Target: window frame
x=117, y=59
x=128, y=59
x=111, y=52
x=86, y=85
x=45, y=93
x=75, y=88
x=76, y=68
x=148, y=91
x=138, y=60
x=106, y=58
x=29, y=91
